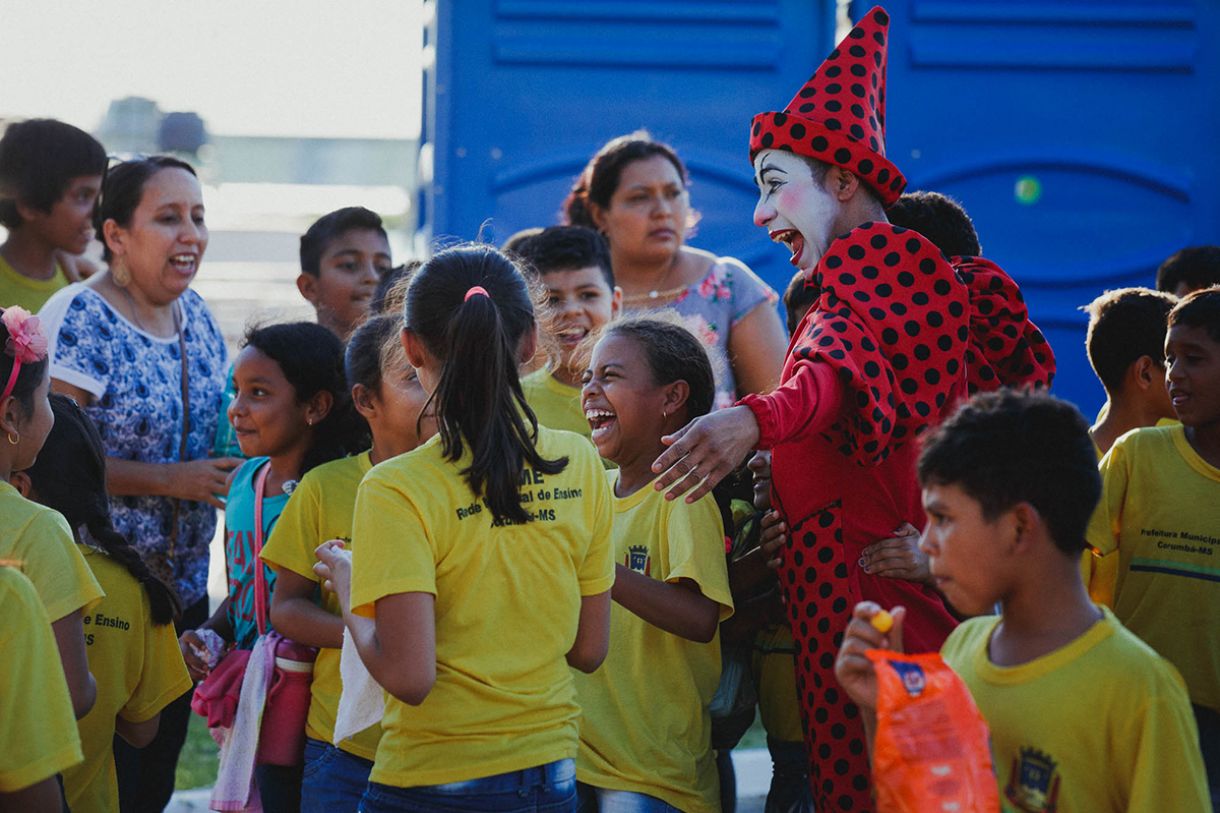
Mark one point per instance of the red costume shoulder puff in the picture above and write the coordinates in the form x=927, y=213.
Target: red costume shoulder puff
x=1006, y=348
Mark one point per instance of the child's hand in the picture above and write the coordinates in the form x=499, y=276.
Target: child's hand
x=898, y=557
x=194, y=652
x=334, y=568
x=772, y=538
x=853, y=669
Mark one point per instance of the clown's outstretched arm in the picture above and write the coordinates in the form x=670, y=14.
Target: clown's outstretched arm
x=707, y=449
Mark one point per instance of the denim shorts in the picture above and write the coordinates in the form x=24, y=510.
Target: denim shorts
x=549, y=788
x=334, y=780
x=602, y=800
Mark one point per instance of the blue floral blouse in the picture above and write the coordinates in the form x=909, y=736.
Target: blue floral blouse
x=136, y=382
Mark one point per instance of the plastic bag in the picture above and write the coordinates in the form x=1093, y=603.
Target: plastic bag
x=932, y=751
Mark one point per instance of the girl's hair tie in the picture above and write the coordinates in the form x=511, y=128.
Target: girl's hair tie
x=25, y=344
x=476, y=290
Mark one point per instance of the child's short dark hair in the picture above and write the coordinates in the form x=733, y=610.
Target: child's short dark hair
x=566, y=248
x=365, y=349
x=1124, y=326
x=1197, y=267
x=1199, y=309
x=673, y=353
x=38, y=159
x=798, y=298
x=1008, y=447
x=939, y=218
x=329, y=226
x=392, y=289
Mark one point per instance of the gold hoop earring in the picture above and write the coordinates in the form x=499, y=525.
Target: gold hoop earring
x=13, y=438
x=119, y=272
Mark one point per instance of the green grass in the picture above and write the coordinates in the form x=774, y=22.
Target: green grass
x=199, y=759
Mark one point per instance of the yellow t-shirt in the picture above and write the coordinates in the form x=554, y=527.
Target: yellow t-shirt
x=556, y=404
x=1160, y=515
x=321, y=508
x=38, y=736
x=18, y=289
x=646, y=726
x=139, y=671
x=1101, y=724
x=40, y=540
x=507, y=606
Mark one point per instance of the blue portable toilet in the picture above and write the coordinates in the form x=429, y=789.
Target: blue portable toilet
x=519, y=94
x=1080, y=136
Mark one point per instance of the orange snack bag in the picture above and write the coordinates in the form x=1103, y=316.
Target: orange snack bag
x=932, y=752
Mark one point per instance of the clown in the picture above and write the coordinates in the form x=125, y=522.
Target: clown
x=895, y=339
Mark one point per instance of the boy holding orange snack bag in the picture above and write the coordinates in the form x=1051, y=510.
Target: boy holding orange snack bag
x=1082, y=714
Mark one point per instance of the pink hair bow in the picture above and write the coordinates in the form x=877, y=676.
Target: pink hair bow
x=25, y=340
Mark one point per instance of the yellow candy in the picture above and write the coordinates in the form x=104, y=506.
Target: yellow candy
x=882, y=622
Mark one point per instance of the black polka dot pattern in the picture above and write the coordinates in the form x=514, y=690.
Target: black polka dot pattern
x=1006, y=348
x=896, y=337
x=836, y=117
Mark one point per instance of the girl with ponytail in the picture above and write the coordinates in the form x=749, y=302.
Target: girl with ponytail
x=130, y=640
x=481, y=564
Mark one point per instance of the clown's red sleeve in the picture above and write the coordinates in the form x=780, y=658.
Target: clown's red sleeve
x=809, y=401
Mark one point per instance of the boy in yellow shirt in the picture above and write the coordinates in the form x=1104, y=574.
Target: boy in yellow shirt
x=1126, y=343
x=1083, y=715
x=50, y=177
x=573, y=264
x=1160, y=519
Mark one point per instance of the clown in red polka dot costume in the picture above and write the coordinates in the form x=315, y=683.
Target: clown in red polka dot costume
x=896, y=338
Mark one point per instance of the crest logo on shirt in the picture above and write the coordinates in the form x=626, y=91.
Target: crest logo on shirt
x=637, y=559
x=1033, y=784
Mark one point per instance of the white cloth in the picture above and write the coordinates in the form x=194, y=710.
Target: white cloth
x=235, y=788
x=362, y=702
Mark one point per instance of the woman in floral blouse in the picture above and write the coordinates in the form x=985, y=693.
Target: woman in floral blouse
x=634, y=191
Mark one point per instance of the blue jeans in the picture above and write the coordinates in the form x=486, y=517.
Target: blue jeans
x=334, y=780
x=601, y=800
x=549, y=788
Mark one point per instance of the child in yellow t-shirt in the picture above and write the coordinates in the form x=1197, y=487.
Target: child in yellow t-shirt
x=386, y=391
x=50, y=177
x=34, y=536
x=132, y=646
x=573, y=264
x=645, y=738
x=481, y=565
x=1083, y=715
x=1126, y=346
x=1159, y=518
x=38, y=736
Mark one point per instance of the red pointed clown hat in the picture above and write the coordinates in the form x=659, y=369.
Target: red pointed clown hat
x=839, y=115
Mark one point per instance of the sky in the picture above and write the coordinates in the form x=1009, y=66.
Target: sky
x=314, y=68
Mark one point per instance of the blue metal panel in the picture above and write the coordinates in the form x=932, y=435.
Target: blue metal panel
x=1079, y=135
x=523, y=92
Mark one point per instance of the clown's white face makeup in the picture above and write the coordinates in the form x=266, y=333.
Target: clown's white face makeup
x=793, y=208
